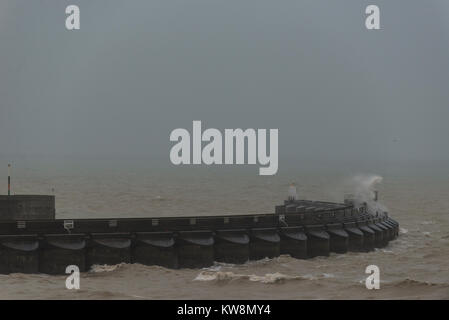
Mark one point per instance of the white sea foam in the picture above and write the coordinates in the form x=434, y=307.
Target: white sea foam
x=276, y=277
x=105, y=268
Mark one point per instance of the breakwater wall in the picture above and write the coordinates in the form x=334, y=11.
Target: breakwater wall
x=49, y=246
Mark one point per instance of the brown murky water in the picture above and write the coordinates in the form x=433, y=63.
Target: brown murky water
x=416, y=265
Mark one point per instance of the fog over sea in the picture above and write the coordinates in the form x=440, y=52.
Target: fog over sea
x=78, y=107
x=416, y=265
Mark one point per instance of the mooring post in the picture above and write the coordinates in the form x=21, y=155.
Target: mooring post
x=9, y=179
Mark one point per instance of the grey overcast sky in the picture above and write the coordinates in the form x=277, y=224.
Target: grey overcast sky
x=138, y=69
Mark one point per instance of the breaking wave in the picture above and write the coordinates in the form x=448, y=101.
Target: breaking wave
x=106, y=268
x=364, y=187
x=277, y=277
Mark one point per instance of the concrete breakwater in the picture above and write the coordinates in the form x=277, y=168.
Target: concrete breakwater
x=302, y=229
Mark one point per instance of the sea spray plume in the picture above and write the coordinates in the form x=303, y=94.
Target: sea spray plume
x=364, y=193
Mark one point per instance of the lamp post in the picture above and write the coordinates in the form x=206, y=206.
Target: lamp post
x=9, y=179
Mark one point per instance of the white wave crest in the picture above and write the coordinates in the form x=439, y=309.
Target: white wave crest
x=267, y=278
x=97, y=268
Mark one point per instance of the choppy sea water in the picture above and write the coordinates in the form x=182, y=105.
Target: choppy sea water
x=416, y=265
